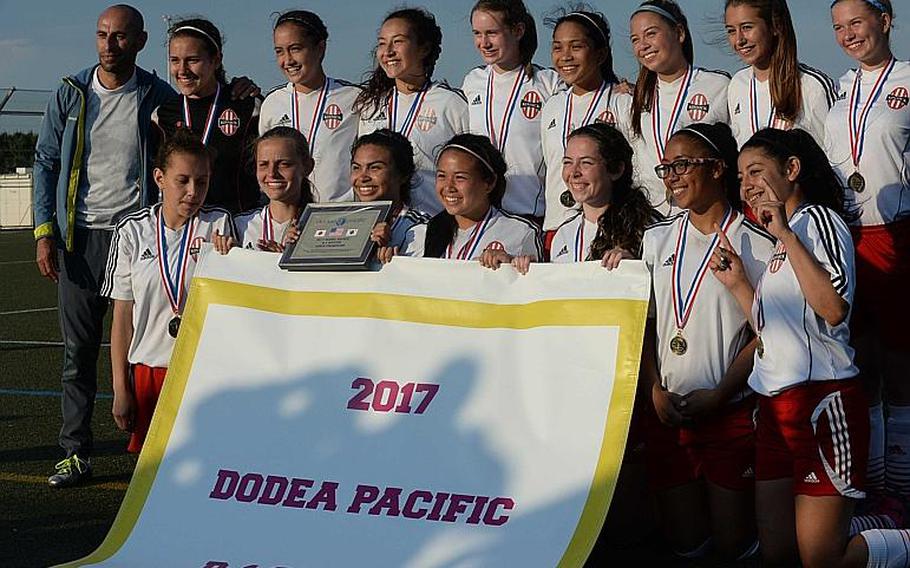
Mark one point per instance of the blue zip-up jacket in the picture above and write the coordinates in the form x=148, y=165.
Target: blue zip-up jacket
x=59, y=154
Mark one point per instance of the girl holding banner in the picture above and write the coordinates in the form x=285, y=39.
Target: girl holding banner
x=506, y=95
x=400, y=95
x=700, y=438
x=152, y=259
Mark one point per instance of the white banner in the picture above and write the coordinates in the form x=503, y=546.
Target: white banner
x=433, y=413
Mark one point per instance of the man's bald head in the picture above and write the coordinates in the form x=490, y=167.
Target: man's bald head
x=119, y=39
x=131, y=15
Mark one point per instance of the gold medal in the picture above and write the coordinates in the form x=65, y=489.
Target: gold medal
x=678, y=344
x=760, y=348
x=856, y=182
x=566, y=199
x=173, y=326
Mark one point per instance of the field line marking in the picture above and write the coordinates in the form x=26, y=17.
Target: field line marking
x=29, y=311
x=38, y=480
x=46, y=393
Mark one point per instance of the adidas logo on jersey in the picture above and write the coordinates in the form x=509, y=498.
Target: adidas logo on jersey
x=284, y=119
x=249, y=246
x=562, y=251
x=552, y=124
x=476, y=100
x=670, y=260
x=749, y=473
x=811, y=478
x=147, y=254
x=737, y=109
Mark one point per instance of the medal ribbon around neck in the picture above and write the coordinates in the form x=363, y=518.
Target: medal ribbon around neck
x=209, y=121
x=682, y=303
x=567, y=125
x=661, y=137
x=318, y=113
x=467, y=251
x=411, y=119
x=580, y=241
x=858, y=126
x=499, y=140
x=753, y=107
x=176, y=291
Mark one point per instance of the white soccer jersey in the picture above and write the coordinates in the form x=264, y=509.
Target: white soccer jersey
x=884, y=160
x=134, y=274
x=498, y=229
x=698, y=96
x=402, y=223
x=330, y=126
x=716, y=329
x=751, y=109
x=251, y=226
x=428, y=120
x=800, y=346
x=561, y=115
x=572, y=241
x=512, y=123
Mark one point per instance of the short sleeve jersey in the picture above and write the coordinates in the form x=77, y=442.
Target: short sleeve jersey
x=326, y=118
x=716, y=329
x=428, y=119
x=134, y=274
x=799, y=345
x=885, y=158
x=512, y=122
x=497, y=230
x=751, y=109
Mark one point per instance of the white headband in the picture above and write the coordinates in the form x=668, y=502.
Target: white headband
x=198, y=31
x=657, y=10
x=703, y=137
x=471, y=152
x=593, y=22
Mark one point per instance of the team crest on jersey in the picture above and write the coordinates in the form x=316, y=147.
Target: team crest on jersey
x=332, y=117
x=427, y=120
x=228, y=122
x=531, y=105
x=698, y=107
x=778, y=258
x=606, y=117
x=898, y=98
x=195, y=246
x=476, y=101
x=496, y=245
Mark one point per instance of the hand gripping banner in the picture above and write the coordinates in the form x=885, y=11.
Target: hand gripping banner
x=432, y=413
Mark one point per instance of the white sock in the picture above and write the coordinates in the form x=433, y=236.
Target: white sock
x=887, y=548
x=875, y=476
x=698, y=552
x=865, y=522
x=897, y=464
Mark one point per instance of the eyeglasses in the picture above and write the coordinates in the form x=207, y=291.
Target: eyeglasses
x=681, y=167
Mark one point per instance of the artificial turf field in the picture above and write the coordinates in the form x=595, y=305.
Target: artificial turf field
x=41, y=526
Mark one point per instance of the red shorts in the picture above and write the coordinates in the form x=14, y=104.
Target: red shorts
x=719, y=448
x=882, y=272
x=817, y=434
x=147, y=383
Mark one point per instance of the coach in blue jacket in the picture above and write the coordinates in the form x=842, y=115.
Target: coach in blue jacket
x=93, y=165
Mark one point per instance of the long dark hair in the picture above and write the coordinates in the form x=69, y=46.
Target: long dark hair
x=515, y=12
x=311, y=25
x=623, y=223
x=784, y=82
x=209, y=35
x=401, y=155
x=722, y=145
x=377, y=84
x=442, y=228
x=301, y=149
x=643, y=97
x=817, y=180
x=597, y=31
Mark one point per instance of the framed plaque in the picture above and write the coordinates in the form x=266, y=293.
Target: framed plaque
x=335, y=236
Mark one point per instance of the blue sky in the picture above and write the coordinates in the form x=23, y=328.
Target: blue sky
x=42, y=41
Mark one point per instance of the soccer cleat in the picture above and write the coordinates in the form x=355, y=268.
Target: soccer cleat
x=71, y=471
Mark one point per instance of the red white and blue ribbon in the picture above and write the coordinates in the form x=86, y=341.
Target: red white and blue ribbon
x=268, y=231
x=858, y=123
x=753, y=107
x=209, y=121
x=661, y=136
x=683, y=300
x=589, y=115
x=467, y=251
x=580, y=255
x=176, y=290
x=499, y=139
x=411, y=119
x=318, y=113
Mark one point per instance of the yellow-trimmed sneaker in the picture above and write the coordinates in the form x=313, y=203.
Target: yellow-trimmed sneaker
x=71, y=471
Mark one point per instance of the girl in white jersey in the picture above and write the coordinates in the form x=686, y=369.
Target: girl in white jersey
x=470, y=182
x=775, y=90
x=698, y=351
x=868, y=143
x=317, y=105
x=581, y=54
x=153, y=256
x=382, y=169
x=812, y=425
x=670, y=91
x=283, y=164
x=505, y=98
x=399, y=94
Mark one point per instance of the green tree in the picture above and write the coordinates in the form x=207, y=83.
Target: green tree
x=17, y=150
